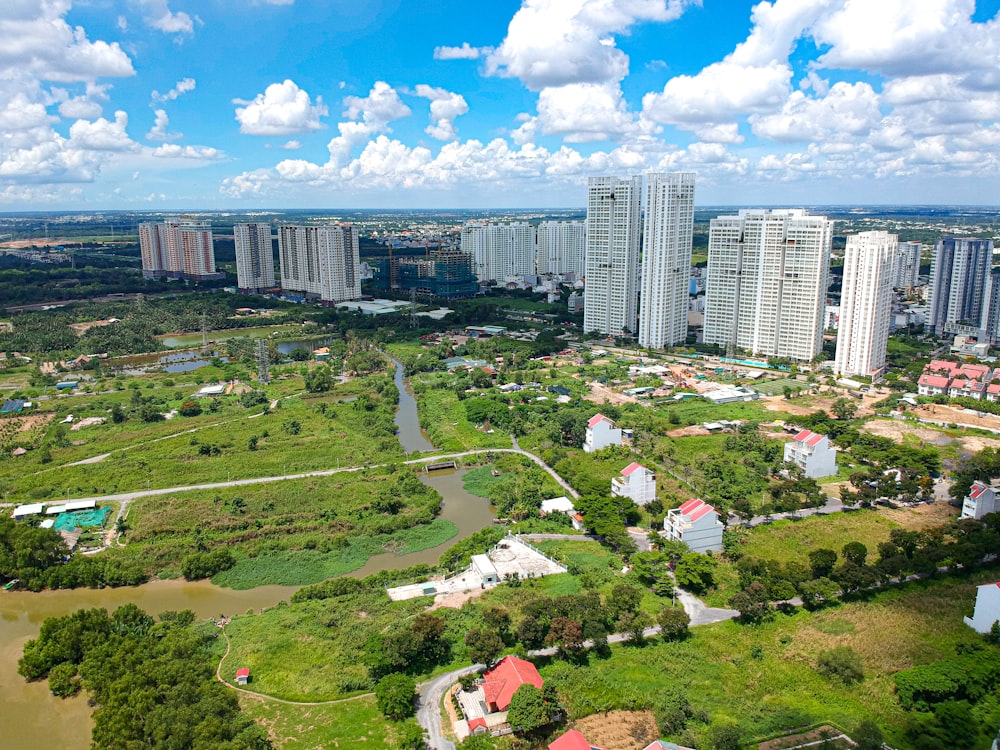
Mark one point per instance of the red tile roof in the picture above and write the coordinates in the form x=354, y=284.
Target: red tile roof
x=978, y=488
x=810, y=438
x=934, y=381
x=631, y=468
x=597, y=419
x=571, y=740
x=701, y=512
x=691, y=505
x=244, y=672
x=501, y=682
x=479, y=721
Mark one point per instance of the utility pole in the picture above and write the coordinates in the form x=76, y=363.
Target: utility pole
x=263, y=363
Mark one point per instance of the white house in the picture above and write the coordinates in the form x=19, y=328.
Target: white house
x=812, y=453
x=636, y=482
x=562, y=505
x=987, y=608
x=982, y=499
x=601, y=432
x=697, y=524
x=482, y=566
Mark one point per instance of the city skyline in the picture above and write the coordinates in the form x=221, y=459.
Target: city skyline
x=156, y=104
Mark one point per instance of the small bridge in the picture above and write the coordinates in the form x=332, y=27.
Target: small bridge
x=441, y=465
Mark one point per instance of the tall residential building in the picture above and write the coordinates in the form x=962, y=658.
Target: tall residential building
x=990, y=320
x=254, y=257
x=906, y=265
x=960, y=271
x=612, y=283
x=865, y=303
x=178, y=248
x=320, y=261
x=666, y=259
x=561, y=248
x=766, y=284
x=500, y=252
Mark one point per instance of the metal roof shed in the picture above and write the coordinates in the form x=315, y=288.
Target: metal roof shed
x=33, y=509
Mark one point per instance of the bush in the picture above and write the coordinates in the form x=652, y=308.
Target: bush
x=207, y=564
x=843, y=663
x=63, y=681
x=189, y=409
x=394, y=695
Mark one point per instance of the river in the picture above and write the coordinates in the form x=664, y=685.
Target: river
x=30, y=716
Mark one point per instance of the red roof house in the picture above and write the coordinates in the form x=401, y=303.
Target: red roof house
x=572, y=740
x=502, y=681
x=242, y=676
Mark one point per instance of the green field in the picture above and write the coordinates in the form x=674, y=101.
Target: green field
x=194, y=338
x=776, y=387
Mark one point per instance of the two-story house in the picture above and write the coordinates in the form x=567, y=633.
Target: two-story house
x=982, y=499
x=812, y=453
x=636, y=482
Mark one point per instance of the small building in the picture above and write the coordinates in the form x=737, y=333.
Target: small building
x=67, y=385
x=982, y=499
x=729, y=395
x=32, y=509
x=697, y=524
x=572, y=740
x=242, y=676
x=987, y=609
x=812, y=453
x=562, y=505
x=218, y=389
x=483, y=567
x=502, y=681
x=601, y=432
x=13, y=406
x=636, y=482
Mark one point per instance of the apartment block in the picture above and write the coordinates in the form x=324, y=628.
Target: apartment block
x=178, y=249
x=561, y=248
x=500, y=252
x=254, y=257
x=320, y=261
x=960, y=274
x=865, y=303
x=766, y=283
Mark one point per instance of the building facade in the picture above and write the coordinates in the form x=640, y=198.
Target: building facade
x=987, y=609
x=611, y=293
x=960, y=273
x=635, y=482
x=561, y=248
x=178, y=249
x=981, y=500
x=812, y=453
x=500, y=252
x=601, y=432
x=666, y=259
x=254, y=257
x=697, y=524
x=766, y=283
x=865, y=303
x=320, y=262
x=447, y=272
x=906, y=265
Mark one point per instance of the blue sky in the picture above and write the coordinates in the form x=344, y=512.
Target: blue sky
x=230, y=104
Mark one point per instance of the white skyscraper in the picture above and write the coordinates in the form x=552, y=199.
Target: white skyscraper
x=865, y=303
x=500, y=252
x=254, y=257
x=320, y=261
x=906, y=265
x=561, y=248
x=765, y=290
x=666, y=259
x=613, y=229
x=178, y=248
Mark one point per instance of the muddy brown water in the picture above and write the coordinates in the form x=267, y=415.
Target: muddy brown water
x=31, y=717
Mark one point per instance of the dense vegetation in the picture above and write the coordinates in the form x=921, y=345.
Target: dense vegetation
x=153, y=682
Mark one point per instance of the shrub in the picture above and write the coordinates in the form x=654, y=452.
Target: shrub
x=394, y=695
x=207, y=564
x=843, y=663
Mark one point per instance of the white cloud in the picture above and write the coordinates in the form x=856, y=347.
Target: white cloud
x=183, y=86
x=291, y=145
x=282, y=109
x=584, y=112
x=848, y=108
x=196, y=153
x=102, y=135
x=376, y=111
x=724, y=133
x=465, y=52
x=558, y=42
x=159, y=130
x=445, y=107
x=160, y=17
x=80, y=108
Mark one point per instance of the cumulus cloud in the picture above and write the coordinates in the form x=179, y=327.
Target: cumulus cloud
x=445, y=107
x=559, y=42
x=183, y=86
x=584, y=112
x=159, y=130
x=160, y=17
x=102, y=135
x=847, y=109
x=283, y=109
x=465, y=52
x=367, y=115
x=291, y=145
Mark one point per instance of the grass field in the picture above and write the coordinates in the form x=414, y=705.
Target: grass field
x=764, y=677
x=442, y=415
x=350, y=724
x=775, y=387
x=180, y=340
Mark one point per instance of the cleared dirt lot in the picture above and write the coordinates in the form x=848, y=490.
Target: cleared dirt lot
x=619, y=730
x=600, y=393
x=897, y=430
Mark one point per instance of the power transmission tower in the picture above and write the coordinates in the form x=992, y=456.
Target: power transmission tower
x=413, y=307
x=263, y=363
x=204, y=331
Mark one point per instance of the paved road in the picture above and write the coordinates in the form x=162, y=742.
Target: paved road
x=429, y=705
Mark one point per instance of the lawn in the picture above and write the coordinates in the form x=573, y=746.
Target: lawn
x=786, y=541
x=775, y=387
x=352, y=723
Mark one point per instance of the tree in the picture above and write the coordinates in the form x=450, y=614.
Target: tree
x=527, y=711
x=821, y=561
x=696, y=572
x=394, y=696
x=624, y=598
x=753, y=603
x=189, y=408
x=531, y=632
x=842, y=663
x=633, y=624
x=818, y=592
x=868, y=736
x=843, y=409
x=674, y=622
x=726, y=737
x=856, y=552
x=484, y=645
x=319, y=379
x=567, y=634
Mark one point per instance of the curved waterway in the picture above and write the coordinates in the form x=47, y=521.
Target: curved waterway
x=30, y=716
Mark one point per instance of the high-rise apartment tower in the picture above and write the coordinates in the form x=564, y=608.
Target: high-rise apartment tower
x=320, y=261
x=666, y=259
x=254, y=257
x=865, y=303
